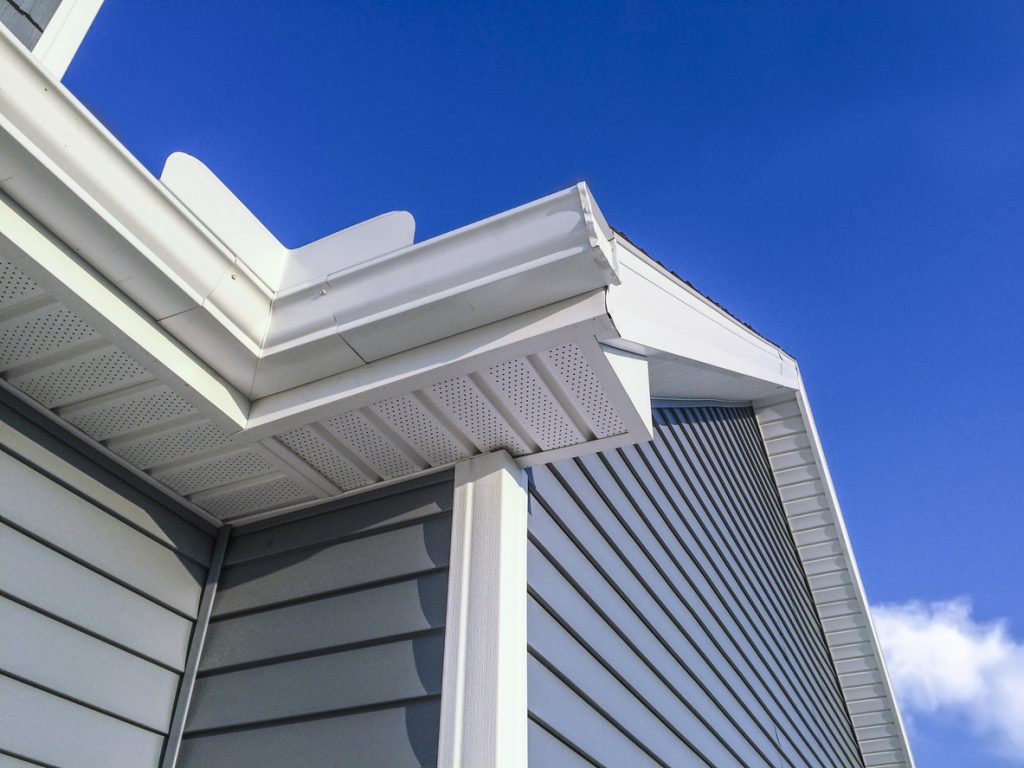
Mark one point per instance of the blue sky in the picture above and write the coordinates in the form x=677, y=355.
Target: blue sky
x=847, y=177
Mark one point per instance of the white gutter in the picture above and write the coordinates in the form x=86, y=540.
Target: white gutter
x=60, y=165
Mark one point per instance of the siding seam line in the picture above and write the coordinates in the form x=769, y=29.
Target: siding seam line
x=101, y=506
x=271, y=661
x=88, y=632
x=320, y=544
x=80, y=702
x=326, y=714
x=361, y=586
x=94, y=568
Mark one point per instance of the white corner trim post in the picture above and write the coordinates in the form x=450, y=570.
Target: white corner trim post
x=483, y=695
x=64, y=34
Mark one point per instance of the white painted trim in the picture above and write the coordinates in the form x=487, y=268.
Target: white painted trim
x=796, y=407
x=629, y=388
x=61, y=273
x=483, y=698
x=635, y=251
x=656, y=313
x=64, y=34
x=187, y=683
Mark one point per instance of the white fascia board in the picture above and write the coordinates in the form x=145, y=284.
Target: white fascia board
x=656, y=314
x=784, y=421
x=64, y=34
x=579, y=319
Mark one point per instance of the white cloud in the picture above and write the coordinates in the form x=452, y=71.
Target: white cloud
x=942, y=660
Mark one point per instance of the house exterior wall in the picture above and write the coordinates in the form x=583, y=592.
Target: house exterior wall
x=326, y=641
x=669, y=618
x=27, y=19
x=99, y=587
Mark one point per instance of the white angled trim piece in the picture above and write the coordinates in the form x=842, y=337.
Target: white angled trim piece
x=823, y=545
x=632, y=399
x=483, y=698
x=64, y=34
x=655, y=311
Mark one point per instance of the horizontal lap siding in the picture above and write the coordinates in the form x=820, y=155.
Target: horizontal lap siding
x=669, y=620
x=27, y=19
x=327, y=637
x=99, y=587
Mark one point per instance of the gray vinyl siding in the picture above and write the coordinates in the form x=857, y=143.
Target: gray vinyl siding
x=99, y=588
x=327, y=637
x=27, y=19
x=670, y=622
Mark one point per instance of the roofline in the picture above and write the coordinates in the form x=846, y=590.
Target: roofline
x=622, y=240
x=659, y=315
x=71, y=174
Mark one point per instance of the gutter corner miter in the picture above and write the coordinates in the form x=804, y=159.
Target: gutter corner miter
x=602, y=237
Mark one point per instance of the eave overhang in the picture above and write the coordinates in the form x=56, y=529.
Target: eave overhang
x=264, y=322
x=695, y=350
x=165, y=325
x=191, y=345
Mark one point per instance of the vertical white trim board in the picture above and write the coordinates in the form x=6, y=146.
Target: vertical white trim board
x=483, y=699
x=64, y=34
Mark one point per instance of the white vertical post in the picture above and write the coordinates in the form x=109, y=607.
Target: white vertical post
x=64, y=34
x=483, y=703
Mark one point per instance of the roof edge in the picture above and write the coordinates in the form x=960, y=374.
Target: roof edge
x=808, y=493
x=659, y=315
x=68, y=172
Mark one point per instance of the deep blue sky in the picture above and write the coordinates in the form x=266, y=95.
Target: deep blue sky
x=848, y=178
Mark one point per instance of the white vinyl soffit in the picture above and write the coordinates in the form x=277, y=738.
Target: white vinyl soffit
x=542, y=403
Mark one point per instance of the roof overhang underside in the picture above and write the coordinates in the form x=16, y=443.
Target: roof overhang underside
x=163, y=321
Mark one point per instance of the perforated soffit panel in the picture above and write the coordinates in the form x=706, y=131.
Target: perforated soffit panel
x=527, y=405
